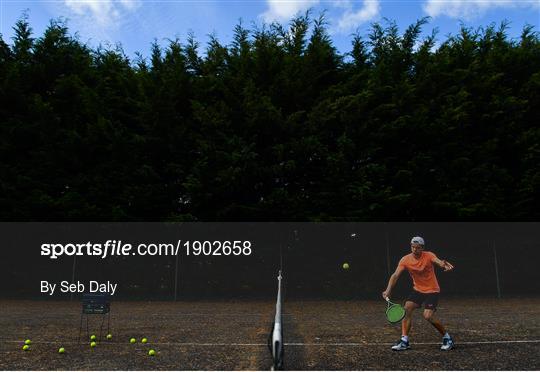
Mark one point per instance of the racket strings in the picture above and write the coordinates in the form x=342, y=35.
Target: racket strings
x=395, y=313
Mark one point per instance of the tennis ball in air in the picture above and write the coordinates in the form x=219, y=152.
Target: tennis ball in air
x=152, y=352
x=26, y=347
x=61, y=350
x=132, y=340
x=93, y=344
x=27, y=342
x=144, y=340
x=109, y=336
x=93, y=337
x=345, y=266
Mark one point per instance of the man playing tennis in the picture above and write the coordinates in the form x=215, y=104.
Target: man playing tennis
x=426, y=290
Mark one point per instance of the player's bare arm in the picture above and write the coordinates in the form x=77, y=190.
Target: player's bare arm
x=392, y=282
x=443, y=264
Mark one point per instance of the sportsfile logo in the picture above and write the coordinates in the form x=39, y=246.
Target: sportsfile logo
x=109, y=248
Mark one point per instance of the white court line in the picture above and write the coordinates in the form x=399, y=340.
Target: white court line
x=286, y=343
x=414, y=343
x=141, y=344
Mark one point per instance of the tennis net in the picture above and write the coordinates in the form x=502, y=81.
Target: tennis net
x=275, y=341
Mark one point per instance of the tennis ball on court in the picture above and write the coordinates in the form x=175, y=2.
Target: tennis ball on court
x=345, y=266
x=93, y=337
x=26, y=347
x=27, y=342
x=61, y=350
x=109, y=336
x=144, y=340
x=93, y=344
x=132, y=340
x=152, y=352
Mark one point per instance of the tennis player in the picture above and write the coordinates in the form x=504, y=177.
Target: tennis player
x=419, y=263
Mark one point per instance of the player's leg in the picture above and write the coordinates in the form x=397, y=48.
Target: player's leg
x=429, y=315
x=430, y=304
x=407, y=320
x=403, y=343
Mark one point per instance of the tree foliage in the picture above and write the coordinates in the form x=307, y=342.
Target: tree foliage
x=275, y=126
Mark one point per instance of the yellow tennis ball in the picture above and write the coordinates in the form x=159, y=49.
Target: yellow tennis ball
x=61, y=350
x=109, y=336
x=93, y=337
x=26, y=347
x=132, y=340
x=27, y=342
x=152, y=352
x=144, y=340
x=345, y=266
x=93, y=344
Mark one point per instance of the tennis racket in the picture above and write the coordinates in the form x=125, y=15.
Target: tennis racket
x=394, y=312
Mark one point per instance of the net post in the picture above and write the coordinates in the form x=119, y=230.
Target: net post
x=176, y=279
x=387, y=249
x=495, y=262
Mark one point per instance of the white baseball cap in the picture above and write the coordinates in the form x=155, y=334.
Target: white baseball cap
x=418, y=240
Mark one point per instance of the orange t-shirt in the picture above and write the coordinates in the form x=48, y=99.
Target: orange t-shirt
x=421, y=271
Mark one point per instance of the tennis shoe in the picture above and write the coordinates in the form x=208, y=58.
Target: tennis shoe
x=401, y=345
x=447, y=343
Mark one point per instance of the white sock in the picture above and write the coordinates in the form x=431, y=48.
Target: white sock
x=405, y=338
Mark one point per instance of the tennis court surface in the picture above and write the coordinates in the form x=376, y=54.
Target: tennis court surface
x=490, y=334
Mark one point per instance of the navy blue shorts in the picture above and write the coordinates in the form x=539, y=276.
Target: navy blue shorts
x=430, y=300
